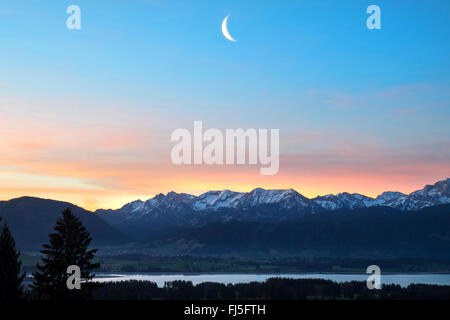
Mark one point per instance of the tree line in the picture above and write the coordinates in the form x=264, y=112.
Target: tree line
x=271, y=289
x=68, y=246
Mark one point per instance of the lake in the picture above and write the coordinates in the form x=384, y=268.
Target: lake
x=401, y=279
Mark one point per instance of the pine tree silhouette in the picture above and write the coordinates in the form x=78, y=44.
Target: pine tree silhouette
x=10, y=267
x=68, y=246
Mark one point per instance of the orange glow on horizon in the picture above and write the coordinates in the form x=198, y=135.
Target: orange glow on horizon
x=109, y=164
x=196, y=184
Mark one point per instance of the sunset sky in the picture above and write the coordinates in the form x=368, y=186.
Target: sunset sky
x=86, y=115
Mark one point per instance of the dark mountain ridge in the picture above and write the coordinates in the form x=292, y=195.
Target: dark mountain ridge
x=365, y=232
x=32, y=219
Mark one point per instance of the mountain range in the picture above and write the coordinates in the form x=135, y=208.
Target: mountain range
x=163, y=215
x=289, y=199
x=277, y=222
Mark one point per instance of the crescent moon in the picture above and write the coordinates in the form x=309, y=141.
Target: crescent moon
x=225, y=32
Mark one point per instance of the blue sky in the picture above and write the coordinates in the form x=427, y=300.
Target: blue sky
x=310, y=68
x=284, y=48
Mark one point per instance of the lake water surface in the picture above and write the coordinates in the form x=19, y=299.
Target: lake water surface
x=400, y=279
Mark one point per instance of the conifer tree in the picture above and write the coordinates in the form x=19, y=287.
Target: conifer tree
x=68, y=246
x=11, y=276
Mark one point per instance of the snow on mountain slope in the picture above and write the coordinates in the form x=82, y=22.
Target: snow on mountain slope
x=430, y=195
x=343, y=201
x=288, y=199
x=387, y=198
x=213, y=200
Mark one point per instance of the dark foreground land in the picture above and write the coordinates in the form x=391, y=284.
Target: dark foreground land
x=272, y=289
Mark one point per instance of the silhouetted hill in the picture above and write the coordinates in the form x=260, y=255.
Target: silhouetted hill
x=32, y=219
